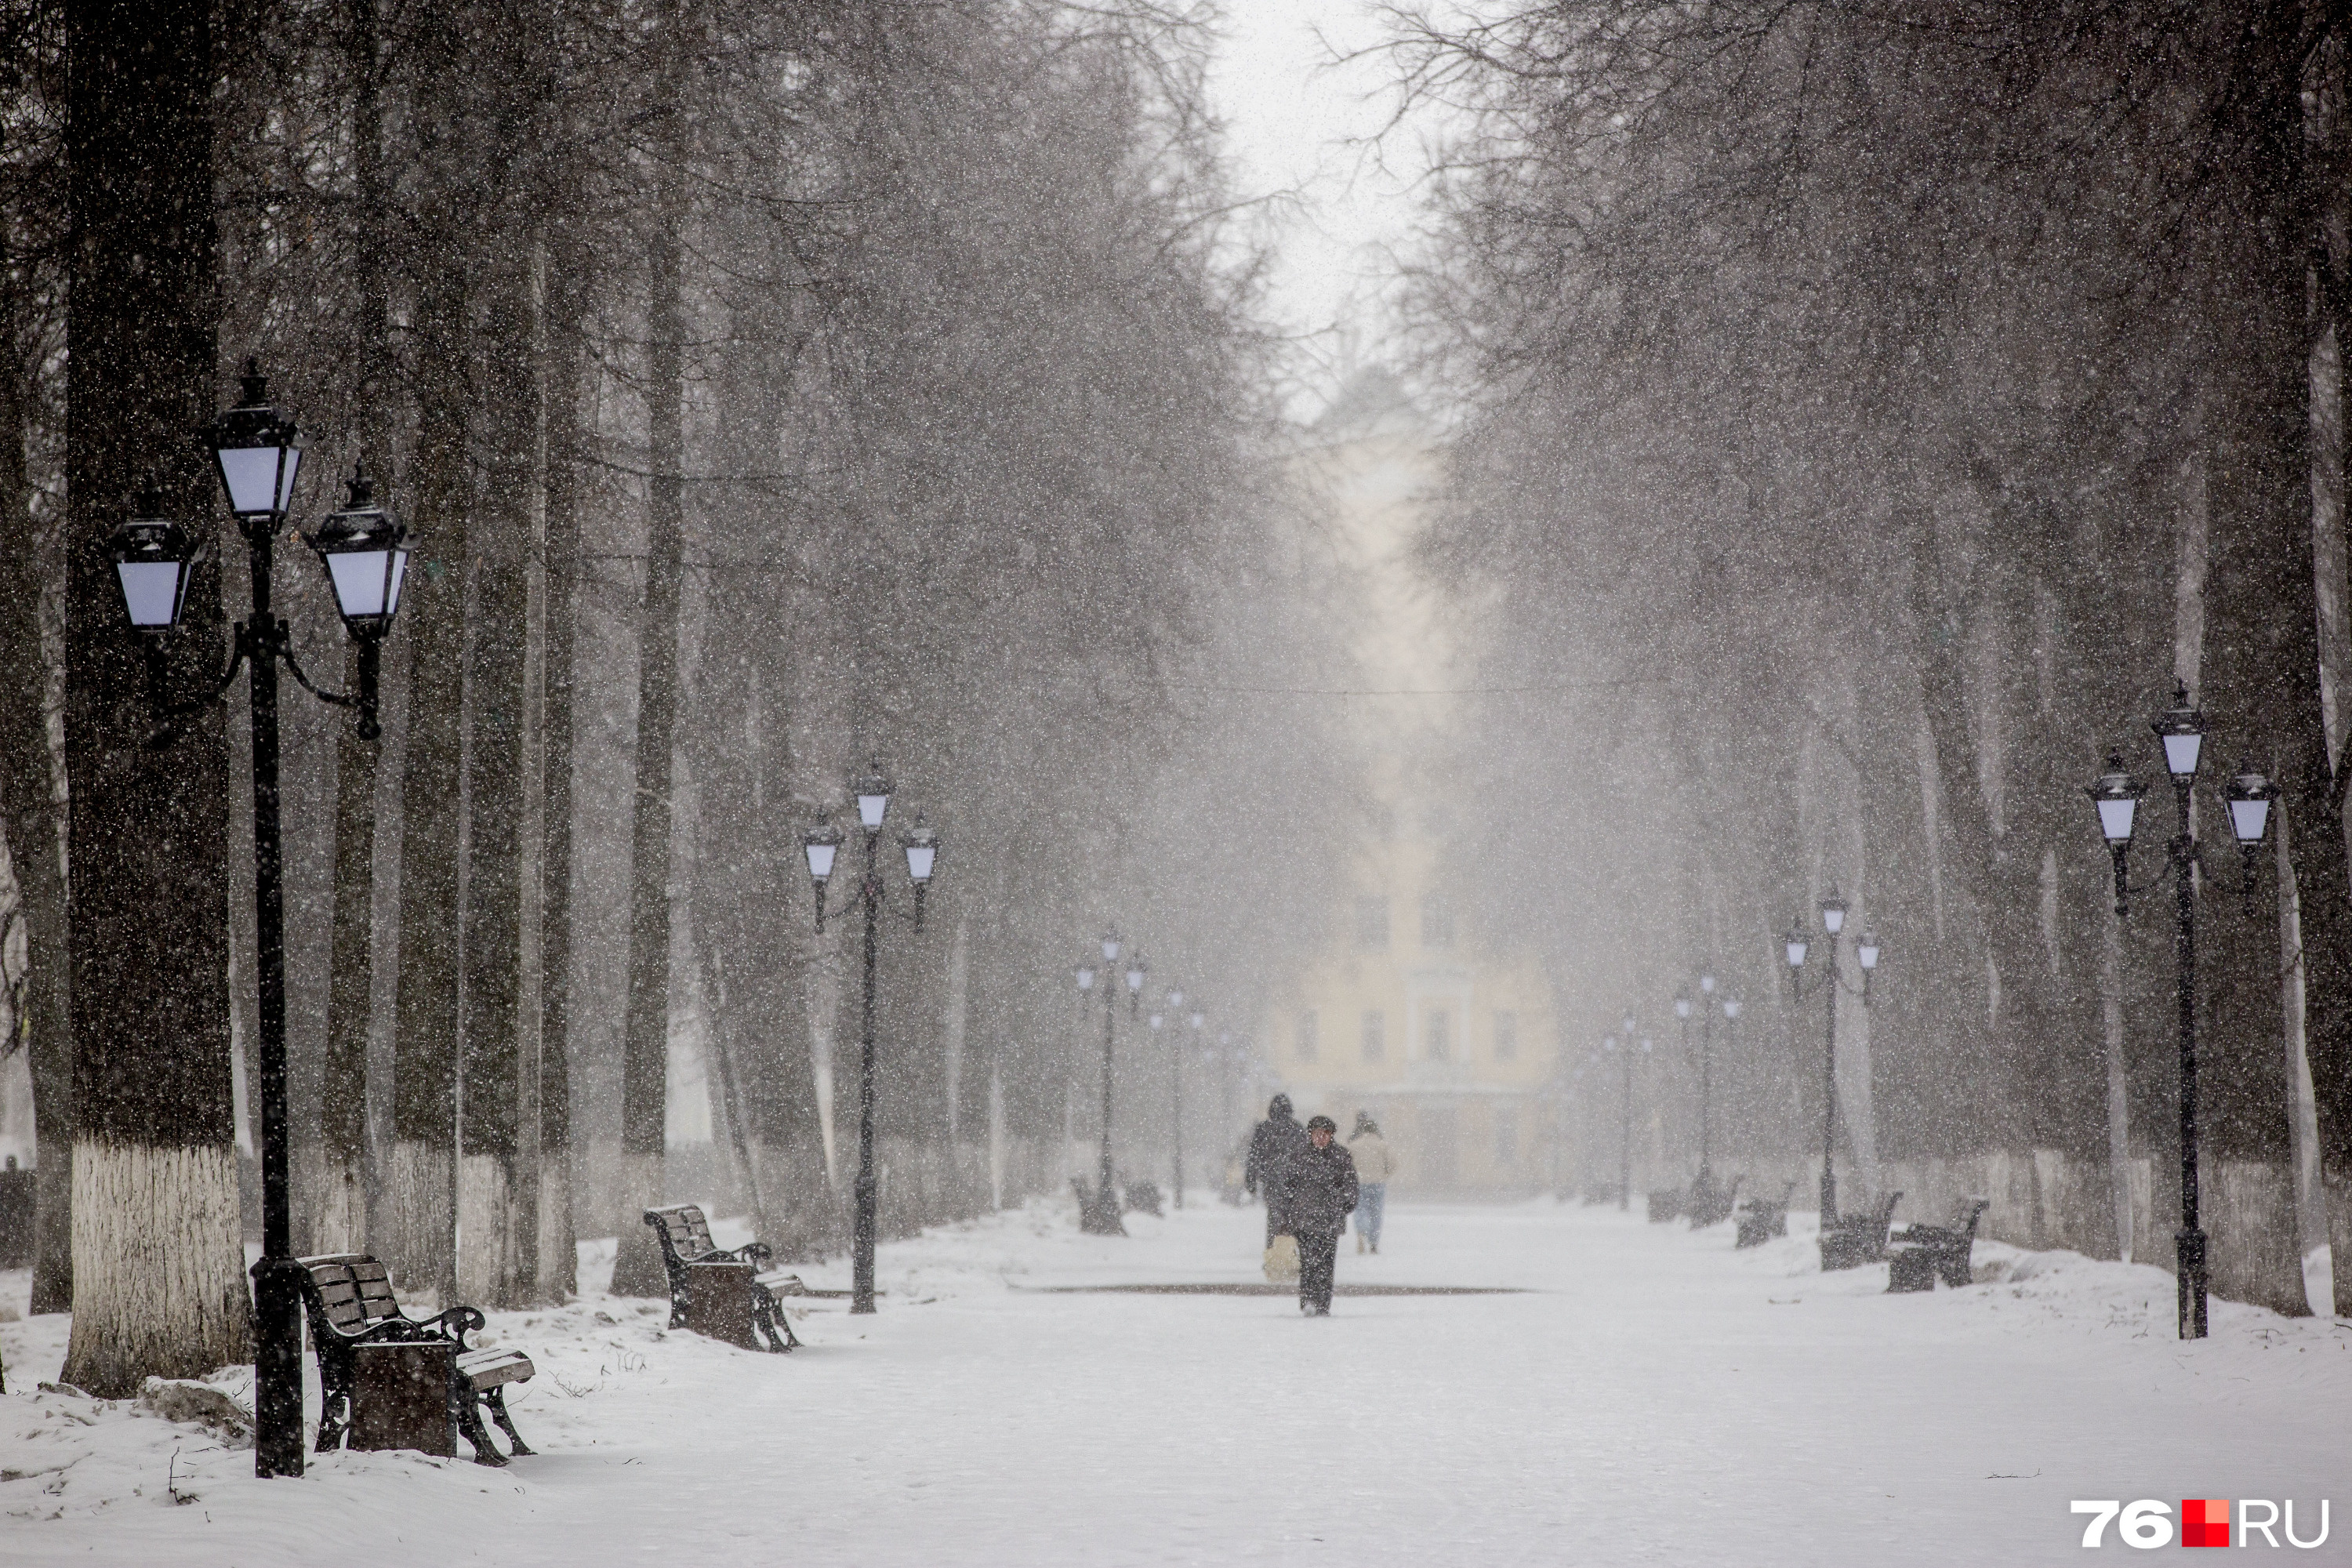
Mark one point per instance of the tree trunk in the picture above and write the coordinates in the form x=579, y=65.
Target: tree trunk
x=558, y=1265
x=338, y=1203
x=158, y=1267
x=490, y=1272
x=2262, y=695
x=645, y=1048
x=421, y=1249
x=31, y=818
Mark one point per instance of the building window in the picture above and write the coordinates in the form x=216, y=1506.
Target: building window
x=1506, y=1036
x=1376, y=1036
x=1507, y=1137
x=1373, y=925
x=1306, y=1032
x=1434, y=1036
x=1436, y=921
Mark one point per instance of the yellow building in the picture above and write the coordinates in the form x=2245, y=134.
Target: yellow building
x=1448, y=1045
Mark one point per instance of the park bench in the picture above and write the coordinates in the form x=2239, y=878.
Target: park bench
x=1098, y=1209
x=1854, y=1239
x=1143, y=1196
x=1917, y=1254
x=1665, y=1204
x=716, y=1291
x=1710, y=1205
x=1761, y=1219
x=348, y=1297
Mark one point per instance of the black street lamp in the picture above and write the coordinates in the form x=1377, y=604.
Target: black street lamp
x=1158, y=1019
x=820, y=843
x=257, y=453
x=2180, y=730
x=1706, y=1079
x=1100, y=1216
x=1625, y=1131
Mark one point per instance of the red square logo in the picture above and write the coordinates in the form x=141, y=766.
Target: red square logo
x=2205, y=1522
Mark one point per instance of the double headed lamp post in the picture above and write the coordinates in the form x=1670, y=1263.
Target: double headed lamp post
x=821, y=843
x=1101, y=1216
x=257, y=453
x=1197, y=1021
x=2181, y=732
x=1796, y=946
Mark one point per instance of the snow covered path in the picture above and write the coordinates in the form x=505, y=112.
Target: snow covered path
x=1652, y=1397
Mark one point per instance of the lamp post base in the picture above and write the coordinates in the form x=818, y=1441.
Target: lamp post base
x=2189, y=1249
x=1098, y=1210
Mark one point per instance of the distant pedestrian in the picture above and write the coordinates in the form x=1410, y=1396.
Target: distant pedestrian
x=1374, y=1165
x=1322, y=1193
x=1271, y=1146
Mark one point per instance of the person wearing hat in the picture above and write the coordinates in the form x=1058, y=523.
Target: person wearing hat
x=1273, y=1144
x=1321, y=1194
x=1374, y=1165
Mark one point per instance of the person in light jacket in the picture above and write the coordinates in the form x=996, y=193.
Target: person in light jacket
x=1373, y=1165
x=1319, y=1191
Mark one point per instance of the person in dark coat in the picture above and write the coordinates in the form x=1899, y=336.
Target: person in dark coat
x=1320, y=1195
x=1273, y=1144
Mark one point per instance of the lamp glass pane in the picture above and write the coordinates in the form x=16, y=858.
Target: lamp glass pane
x=919, y=860
x=1868, y=953
x=2116, y=819
x=1707, y=984
x=1796, y=954
x=1832, y=918
x=1157, y=1020
x=1085, y=979
x=1682, y=1006
x=248, y=473
x=362, y=578
x=2180, y=753
x=2250, y=819
x=150, y=593
x=870, y=811
x=399, y=577
x=820, y=859
x=1110, y=950
x=1135, y=979
x=286, y=484
x=1731, y=1010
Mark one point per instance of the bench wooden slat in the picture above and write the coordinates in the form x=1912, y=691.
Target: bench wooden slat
x=490, y=1368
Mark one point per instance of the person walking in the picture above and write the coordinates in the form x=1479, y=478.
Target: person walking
x=1321, y=1194
x=1374, y=1165
x=1273, y=1144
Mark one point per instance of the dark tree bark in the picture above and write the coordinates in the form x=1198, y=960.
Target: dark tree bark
x=29, y=814
x=644, y=1045
x=338, y=1203
x=2262, y=657
x=495, y=1269
x=558, y=1265
x=154, y=1162
x=421, y=1249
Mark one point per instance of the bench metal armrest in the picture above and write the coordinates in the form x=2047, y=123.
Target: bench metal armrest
x=457, y=1322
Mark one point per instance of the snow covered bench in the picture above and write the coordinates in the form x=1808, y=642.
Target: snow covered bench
x=707, y=1302
x=1917, y=1254
x=1857, y=1238
x=1761, y=1219
x=348, y=1297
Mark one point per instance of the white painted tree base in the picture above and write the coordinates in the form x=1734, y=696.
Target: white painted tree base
x=160, y=1286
